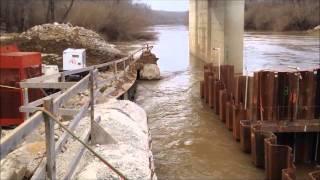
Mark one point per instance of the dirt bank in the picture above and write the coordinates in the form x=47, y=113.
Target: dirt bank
x=53, y=39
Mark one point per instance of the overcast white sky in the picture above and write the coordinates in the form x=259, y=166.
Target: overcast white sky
x=167, y=5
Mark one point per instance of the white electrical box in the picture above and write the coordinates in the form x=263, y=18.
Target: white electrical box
x=74, y=59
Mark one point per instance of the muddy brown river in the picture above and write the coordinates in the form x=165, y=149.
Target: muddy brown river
x=189, y=142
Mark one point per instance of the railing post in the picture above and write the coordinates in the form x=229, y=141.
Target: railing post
x=131, y=63
x=26, y=100
x=91, y=85
x=63, y=77
x=50, y=143
x=124, y=68
x=115, y=71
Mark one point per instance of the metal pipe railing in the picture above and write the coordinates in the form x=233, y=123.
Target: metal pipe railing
x=51, y=106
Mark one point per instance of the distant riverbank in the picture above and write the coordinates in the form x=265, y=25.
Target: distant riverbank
x=281, y=15
x=310, y=32
x=113, y=19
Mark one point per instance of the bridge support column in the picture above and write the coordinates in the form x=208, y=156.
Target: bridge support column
x=220, y=25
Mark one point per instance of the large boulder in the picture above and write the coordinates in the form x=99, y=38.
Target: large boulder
x=150, y=72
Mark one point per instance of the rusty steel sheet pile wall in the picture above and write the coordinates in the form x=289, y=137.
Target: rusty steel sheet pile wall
x=278, y=158
x=307, y=95
x=238, y=114
x=245, y=135
x=315, y=175
x=272, y=114
x=288, y=174
x=223, y=98
x=305, y=147
x=229, y=114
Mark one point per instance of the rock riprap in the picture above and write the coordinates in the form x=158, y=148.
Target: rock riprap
x=54, y=38
x=148, y=67
x=131, y=154
x=150, y=72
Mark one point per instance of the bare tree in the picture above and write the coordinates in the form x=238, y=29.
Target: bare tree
x=50, y=12
x=8, y=15
x=24, y=14
x=68, y=10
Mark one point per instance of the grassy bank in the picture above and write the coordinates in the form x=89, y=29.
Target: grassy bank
x=282, y=15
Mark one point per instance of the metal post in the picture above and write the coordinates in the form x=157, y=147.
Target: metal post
x=219, y=62
x=26, y=100
x=50, y=143
x=246, y=95
x=91, y=84
x=299, y=76
x=115, y=71
x=260, y=96
x=124, y=68
x=131, y=64
x=298, y=94
x=63, y=78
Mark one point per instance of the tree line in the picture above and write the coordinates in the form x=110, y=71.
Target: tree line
x=115, y=19
x=282, y=15
x=18, y=15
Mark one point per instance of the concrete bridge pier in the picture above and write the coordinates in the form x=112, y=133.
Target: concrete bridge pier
x=217, y=26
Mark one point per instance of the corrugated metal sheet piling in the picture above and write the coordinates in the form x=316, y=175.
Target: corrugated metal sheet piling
x=273, y=114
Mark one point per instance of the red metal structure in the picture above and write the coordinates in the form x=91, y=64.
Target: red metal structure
x=9, y=48
x=16, y=66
